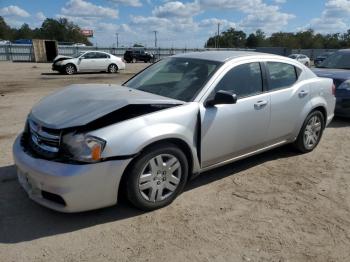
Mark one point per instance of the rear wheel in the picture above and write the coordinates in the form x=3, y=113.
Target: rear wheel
x=134, y=60
x=311, y=132
x=157, y=177
x=112, y=68
x=70, y=69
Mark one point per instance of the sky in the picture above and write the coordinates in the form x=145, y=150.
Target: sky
x=180, y=23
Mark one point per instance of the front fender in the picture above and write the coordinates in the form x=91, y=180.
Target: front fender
x=131, y=136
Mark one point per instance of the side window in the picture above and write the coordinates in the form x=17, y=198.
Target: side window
x=90, y=55
x=281, y=75
x=243, y=80
x=101, y=55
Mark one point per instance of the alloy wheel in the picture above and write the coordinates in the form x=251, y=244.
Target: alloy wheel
x=113, y=68
x=312, y=132
x=70, y=69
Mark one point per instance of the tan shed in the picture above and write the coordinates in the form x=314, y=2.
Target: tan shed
x=44, y=50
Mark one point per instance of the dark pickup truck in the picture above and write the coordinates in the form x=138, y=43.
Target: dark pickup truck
x=337, y=67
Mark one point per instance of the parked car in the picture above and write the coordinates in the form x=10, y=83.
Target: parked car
x=337, y=67
x=23, y=41
x=136, y=55
x=179, y=117
x=319, y=59
x=301, y=58
x=79, y=44
x=88, y=61
x=4, y=42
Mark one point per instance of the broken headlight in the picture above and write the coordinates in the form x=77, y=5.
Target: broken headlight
x=84, y=148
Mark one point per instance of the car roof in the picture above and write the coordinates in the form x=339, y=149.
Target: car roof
x=220, y=56
x=344, y=50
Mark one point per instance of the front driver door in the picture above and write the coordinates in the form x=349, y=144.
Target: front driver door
x=88, y=62
x=232, y=130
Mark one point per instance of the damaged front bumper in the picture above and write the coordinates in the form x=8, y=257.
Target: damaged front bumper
x=56, y=67
x=68, y=187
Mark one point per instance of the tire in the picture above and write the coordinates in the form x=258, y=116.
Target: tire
x=134, y=60
x=70, y=69
x=307, y=64
x=112, y=68
x=150, y=184
x=310, y=133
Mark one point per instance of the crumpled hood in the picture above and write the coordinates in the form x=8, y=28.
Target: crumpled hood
x=78, y=105
x=61, y=57
x=340, y=74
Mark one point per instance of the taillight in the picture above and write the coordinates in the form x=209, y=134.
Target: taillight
x=333, y=89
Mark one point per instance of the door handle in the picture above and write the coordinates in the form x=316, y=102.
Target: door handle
x=303, y=93
x=260, y=104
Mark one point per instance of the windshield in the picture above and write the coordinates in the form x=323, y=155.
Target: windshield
x=178, y=78
x=339, y=60
x=76, y=55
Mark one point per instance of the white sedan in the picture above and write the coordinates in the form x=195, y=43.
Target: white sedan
x=89, y=61
x=301, y=58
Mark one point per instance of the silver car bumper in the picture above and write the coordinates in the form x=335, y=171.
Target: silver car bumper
x=68, y=187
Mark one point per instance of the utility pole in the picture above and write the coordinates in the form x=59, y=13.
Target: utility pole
x=117, y=34
x=155, y=38
x=218, y=45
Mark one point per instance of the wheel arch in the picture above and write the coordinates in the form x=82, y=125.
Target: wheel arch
x=323, y=110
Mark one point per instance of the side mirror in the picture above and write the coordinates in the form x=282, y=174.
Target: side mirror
x=222, y=97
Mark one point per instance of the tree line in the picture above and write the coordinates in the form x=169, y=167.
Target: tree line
x=59, y=29
x=308, y=39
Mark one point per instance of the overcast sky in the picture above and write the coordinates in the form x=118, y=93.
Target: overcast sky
x=180, y=23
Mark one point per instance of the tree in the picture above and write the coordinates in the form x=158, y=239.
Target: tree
x=230, y=38
x=54, y=29
x=5, y=30
x=256, y=40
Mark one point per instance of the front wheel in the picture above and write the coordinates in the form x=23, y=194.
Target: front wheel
x=157, y=177
x=70, y=69
x=311, y=132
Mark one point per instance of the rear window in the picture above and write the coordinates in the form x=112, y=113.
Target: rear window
x=281, y=75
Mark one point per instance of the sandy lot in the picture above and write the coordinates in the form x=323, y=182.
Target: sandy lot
x=278, y=206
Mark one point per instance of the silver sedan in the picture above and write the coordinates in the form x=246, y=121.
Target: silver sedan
x=181, y=116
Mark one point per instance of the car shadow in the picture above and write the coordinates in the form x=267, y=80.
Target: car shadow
x=78, y=73
x=21, y=219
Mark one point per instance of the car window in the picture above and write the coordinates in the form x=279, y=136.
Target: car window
x=90, y=55
x=281, y=75
x=338, y=60
x=243, y=80
x=101, y=55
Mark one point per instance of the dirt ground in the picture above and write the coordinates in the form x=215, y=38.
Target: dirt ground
x=278, y=206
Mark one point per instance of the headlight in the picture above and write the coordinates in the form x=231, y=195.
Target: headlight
x=84, y=148
x=345, y=85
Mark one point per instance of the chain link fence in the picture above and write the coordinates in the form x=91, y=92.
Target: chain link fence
x=25, y=53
